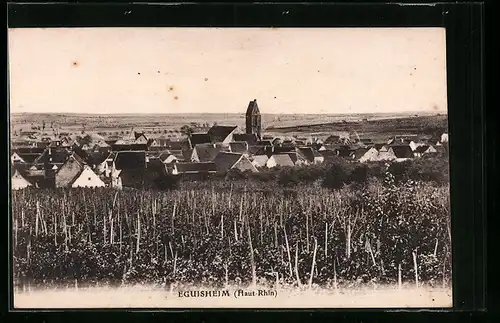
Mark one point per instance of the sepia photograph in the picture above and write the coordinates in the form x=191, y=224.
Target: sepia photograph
x=229, y=168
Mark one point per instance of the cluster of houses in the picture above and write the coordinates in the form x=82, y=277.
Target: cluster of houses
x=93, y=161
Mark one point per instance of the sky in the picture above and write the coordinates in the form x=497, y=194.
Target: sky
x=219, y=70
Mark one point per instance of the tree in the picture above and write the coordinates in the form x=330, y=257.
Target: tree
x=359, y=174
x=288, y=177
x=187, y=130
x=336, y=176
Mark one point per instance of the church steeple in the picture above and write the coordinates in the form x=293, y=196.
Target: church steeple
x=253, y=119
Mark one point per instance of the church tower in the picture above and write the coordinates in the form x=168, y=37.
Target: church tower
x=253, y=121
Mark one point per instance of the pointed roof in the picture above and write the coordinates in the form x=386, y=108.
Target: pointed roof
x=126, y=160
x=239, y=147
x=18, y=181
x=196, y=167
x=260, y=160
x=226, y=160
x=208, y=152
x=253, y=108
x=200, y=138
x=55, y=156
x=421, y=148
x=220, y=133
x=358, y=153
x=308, y=153
x=283, y=160
x=250, y=138
x=137, y=135
x=402, y=151
x=257, y=150
x=82, y=170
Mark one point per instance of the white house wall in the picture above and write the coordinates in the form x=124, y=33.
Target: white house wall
x=88, y=179
x=271, y=162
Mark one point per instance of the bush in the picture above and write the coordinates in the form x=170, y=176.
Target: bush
x=360, y=174
x=336, y=176
x=288, y=177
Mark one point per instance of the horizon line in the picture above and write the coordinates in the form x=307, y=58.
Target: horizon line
x=214, y=113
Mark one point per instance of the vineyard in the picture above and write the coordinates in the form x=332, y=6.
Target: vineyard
x=229, y=233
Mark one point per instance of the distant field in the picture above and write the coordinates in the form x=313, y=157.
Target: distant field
x=372, y=125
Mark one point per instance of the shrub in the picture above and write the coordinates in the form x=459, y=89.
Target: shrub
x=360, y=174
x=288, y=177
x=336, y=176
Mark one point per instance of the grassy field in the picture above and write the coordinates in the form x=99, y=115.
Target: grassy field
x=378, y=125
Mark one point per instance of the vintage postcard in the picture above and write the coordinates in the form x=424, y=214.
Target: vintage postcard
x=229, y=168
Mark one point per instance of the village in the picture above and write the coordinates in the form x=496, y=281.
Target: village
x=92, y=160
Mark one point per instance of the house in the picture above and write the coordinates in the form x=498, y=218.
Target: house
x=297, y=158
x=259, y=160
x=18, y=182
x=130, y=160
x=444, y=138
x=87, y=178
x=424, y=149
x=257, y=150
x=249, y=138
x=97, y=157
x=346, y=141
x=328, y=154
x=71, y=170
x=160, y=141
x=116, y=180
x=178, y=144
x=358, y=153
x=168, y=157
x=140, y=139
x=409, y=140
x=199, y=138
x=207, y=152
x=51, y=157
x=228, y=160
x=311, y=155
x=345, y=151
x=267, y=143
x=369, y=155
x=283, y=149
x=386, y=153
x=289, y=143
x=122, y=145
x=333, y=139
x=132, y=165
x=239, y=147
x=222, y=134
x=15, y=158
x=282, y=160
x=194, y=170
x=404, y=142
x=102, y=147
x=402, y=152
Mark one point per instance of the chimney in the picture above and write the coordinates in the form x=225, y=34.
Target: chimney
x=254, y=100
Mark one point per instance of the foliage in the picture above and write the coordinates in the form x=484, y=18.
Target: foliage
x=199, y=233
